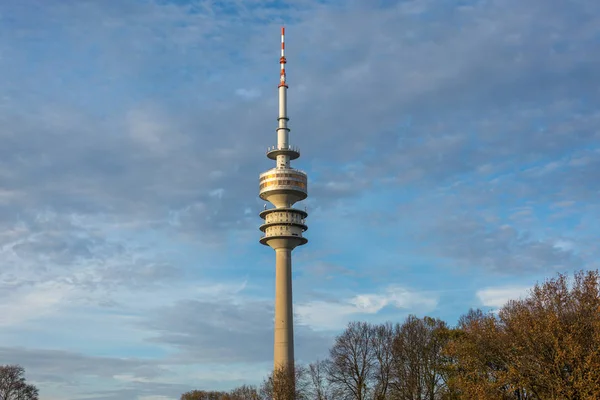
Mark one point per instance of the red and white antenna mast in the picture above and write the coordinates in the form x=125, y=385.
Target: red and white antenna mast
x=282, y=61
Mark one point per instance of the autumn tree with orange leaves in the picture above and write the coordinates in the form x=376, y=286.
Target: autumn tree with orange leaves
x=546, y=346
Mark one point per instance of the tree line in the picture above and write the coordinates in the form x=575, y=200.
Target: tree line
x=545, y=346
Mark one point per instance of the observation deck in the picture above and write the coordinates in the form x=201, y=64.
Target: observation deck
x=290, y=151
x=283, y=186
x=283, y=227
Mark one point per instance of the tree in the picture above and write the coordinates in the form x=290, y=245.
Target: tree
x=417, y=365
x=382, y=339
x=546, y=346
x=554, y=338
x=282, y=384
x=352, y=360
x=204, y=395
x=319, y=388
x=13, y=385
x=244, y=392
x=447, y=364
x=479, y=359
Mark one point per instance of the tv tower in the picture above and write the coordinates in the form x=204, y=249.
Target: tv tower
x=283, y=225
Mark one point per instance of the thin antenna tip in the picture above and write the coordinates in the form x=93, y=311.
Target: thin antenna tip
x=283, y=30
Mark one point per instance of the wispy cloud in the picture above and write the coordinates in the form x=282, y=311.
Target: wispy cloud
x=323, y=315
x=26, y=303
x=497, y=297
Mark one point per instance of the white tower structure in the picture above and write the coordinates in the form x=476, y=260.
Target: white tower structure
x=283, y=225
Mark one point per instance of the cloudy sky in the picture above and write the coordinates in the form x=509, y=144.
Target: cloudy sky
x=452, y=148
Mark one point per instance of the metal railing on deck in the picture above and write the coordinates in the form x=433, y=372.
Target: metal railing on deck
x=292, y=148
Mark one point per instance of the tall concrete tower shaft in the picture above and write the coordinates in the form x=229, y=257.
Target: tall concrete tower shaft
x=283, y=225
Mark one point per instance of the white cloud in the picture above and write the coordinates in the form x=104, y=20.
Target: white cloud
x=327, y=315
x=146, y=128
x=564, y=245
x=133, y=378
x=7, y=196
x=247, y=94
x=217, y=193
x=498, y=296
x=30, y=302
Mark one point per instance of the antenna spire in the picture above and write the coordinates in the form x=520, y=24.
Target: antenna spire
x=282, y=60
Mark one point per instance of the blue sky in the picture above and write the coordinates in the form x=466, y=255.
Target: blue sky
x=452, y=148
